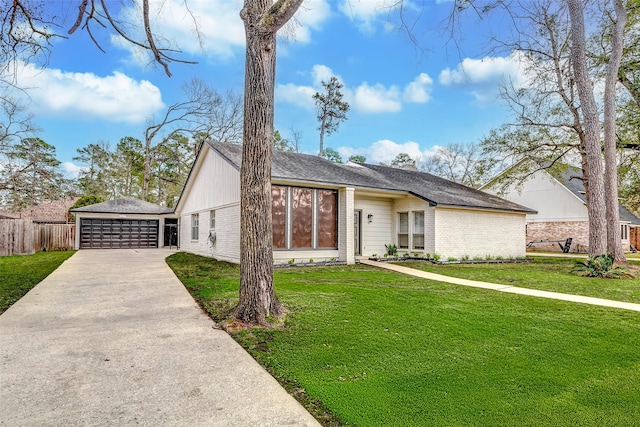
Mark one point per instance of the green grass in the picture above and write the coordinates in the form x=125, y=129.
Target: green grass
x=20, y=273
x=548, y=274
x=378, y=348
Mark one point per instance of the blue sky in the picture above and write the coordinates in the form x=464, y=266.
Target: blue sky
x=403, y=98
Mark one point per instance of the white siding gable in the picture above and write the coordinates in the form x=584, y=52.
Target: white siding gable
x=552, y=200
x=213, y=184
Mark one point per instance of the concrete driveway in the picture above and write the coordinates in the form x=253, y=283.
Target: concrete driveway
x=113, y=338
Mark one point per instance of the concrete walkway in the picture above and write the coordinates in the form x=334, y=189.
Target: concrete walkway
x=503, y=288
x=113, y=338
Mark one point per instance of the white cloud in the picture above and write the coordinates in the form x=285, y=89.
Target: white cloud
x=364, y=98
x=418, y=91
x=384, y=151
x=115, y=98
x=212, y=28
x=365, y=13
x=70, y=170
x=310, y=16
x=484, y=76
x=297, y=95
x=376, y=99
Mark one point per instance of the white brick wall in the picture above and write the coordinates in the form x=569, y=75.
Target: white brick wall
x=345, y=225
x=461, y=232
x=227, y=246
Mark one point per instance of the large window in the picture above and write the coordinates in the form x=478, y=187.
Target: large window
x=304, y=218
x=279, y=216
x=403, y=230
x=418, y=230
x=327, y=219
x=195, y=226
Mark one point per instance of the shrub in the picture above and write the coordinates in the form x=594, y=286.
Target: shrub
x=452, y=258
x=392, y=250
x=602, y=266
x=436, y=256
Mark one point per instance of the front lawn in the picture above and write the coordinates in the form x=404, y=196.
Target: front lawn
x=378, y=348
x=548, y=274
x=20, y=273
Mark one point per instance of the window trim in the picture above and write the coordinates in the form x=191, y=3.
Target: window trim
x=413, y=232
x=195, y=226
x=399, y=232
x=624, y=231
x=315, y=227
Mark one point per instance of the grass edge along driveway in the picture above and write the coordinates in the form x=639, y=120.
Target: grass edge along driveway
x=20, y=273
x=379, y=348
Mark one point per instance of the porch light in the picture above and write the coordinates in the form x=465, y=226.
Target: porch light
x=370, y=218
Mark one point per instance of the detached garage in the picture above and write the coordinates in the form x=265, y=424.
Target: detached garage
x=125, y=223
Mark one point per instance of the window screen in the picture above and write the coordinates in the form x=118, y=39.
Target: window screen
x=302, y=218
x=279, y=216
x=327, y=219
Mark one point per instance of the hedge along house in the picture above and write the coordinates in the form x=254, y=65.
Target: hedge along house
x=325, y=211
x=561, y=205
x=125, y=223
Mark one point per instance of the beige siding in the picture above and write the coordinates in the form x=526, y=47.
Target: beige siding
x=553, y=201
x=227, y=234
x=215, y=183
x=473, y=233
x=377, y=233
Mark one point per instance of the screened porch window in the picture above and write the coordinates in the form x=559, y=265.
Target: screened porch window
x=418, y=230
x=279, y=216
x=403, y=230
x=327, y=219
x=304, y=218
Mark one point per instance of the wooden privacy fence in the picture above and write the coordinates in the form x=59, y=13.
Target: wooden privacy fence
x=24, y=237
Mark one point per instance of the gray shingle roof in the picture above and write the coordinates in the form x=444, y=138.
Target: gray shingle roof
x=126, y=205
x=572, y=179
x=288, y=166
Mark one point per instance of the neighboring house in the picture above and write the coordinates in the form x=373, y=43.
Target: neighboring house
x=125, y=223
x=561, y=208
x=8, y=215
x=49, y=211
x=325, y=211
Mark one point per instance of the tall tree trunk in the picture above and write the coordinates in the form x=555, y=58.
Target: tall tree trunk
x=610, y=162
x=262, y=18
x=595, y=183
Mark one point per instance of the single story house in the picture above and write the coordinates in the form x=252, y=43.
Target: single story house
x=325, y=211
x=125, y=223
x=561, y=206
